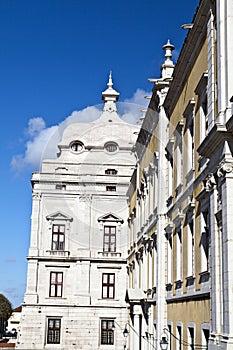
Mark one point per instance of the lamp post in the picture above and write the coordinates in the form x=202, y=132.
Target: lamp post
x=125, y=334
x=164, y=343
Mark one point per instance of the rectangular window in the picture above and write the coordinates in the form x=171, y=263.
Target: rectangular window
x=111, y=172
x=54, y=331
x=56, y=283
x=108, y=285
x=179, y=338
x=109, y=239
x=205, y=240
x=111, y=188
x=58, y=237
x=107, y=333
x=179, y=158
x=205, y=338
x=191, y=249
x=191, y=337
x=169, y=260
x=60, y=187
x=179, y=255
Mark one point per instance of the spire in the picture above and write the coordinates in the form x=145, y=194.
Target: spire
x=110, y=83
x=168, y=66
x=110, y=96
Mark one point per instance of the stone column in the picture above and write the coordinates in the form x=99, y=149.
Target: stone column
x=35, y=220
x=225, y=172
x=215, y=262
x=31, y=296
x=136, y=331
x=162, y=191
x=224, y=19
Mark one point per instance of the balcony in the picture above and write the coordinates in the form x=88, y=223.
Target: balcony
x=109, y=254
x=61, y=253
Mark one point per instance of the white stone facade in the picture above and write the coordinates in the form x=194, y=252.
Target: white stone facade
x=77, y=258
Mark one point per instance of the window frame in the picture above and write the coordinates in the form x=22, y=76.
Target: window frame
x=110, y=171
x=108, y=243
x=53, y=330
x=56, y=284
x=111, y=188
x=108, y=287
x=107, y=333
x=77, y=146
x=111, y=147
x=59, y=235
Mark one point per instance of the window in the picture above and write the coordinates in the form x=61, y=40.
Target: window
x=189, y=136
x=169, y=259
x=56, y=283
x=109, y=239
x=205, y=240
x=111, y=147
x=191, y=337
x=58, y=237
x=54, y=331
x=77, y=146
x=170, y=336
x=107, y=333
x=191, y=248
x=111, y=188
x=111, y=172
x=205, y=338
x=179, y=338
x=178, y=154
x=60, y=187
x=108, y=285
x=179, y=254
x=201, y=92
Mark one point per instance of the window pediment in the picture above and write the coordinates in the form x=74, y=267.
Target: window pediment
x=59, y=216
x=110, y=217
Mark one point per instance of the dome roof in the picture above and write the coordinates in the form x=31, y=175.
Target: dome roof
x=108, y=127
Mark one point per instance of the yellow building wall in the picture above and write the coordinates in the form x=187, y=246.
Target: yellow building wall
x=185, y=312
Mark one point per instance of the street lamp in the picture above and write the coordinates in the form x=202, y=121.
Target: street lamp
x=163, y=343
x=125, y=332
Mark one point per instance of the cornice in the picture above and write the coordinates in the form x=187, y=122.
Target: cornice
x=190, y=50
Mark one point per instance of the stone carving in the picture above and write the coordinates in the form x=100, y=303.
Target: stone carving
x=85, y=197
x=36, y=195
x=224, y=168
x=209, y=182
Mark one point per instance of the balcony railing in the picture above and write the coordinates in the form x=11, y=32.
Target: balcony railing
x=110, y=254
x=63, y=253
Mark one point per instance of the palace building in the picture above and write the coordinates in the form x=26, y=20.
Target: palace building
x=79, y=238
x=180, y=267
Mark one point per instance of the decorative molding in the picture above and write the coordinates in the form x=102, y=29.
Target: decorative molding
x=202, y=84
x=85, y=197
x=178, y=220
x=170, y=145
x=189, y=108
x=224, y=168
x=180, y=126
x=59, y=216
x=110, y=217
x=36, y=195
x=168, y=229
x=209, y=182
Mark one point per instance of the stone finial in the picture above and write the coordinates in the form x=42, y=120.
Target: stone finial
x=168, y=66
x=110, y=83
x=110, y=96
x=168, y=48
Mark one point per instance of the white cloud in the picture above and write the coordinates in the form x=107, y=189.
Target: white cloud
x=35, y=125
x=41, y=141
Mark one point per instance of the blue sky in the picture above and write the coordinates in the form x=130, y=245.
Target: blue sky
x=55, y=57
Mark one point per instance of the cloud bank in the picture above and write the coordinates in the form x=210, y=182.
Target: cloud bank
x=38, y=144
